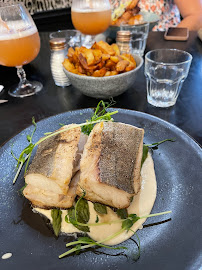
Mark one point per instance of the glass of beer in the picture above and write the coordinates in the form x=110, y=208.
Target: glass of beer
x=19, y=45
x=91, y=17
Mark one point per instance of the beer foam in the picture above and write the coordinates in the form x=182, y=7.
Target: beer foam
x=91, y=10
x=16, y=29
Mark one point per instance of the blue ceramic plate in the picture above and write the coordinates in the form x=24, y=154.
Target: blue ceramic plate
x=173, y=244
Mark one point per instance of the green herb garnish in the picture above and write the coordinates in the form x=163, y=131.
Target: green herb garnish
x=154, y=146
x=100, y=208
x=144, y=153
x=25, y=154
x=122, y=213
x=99, y=114
x=57, y=219
x=70, y=218
x=86, y=242
x=79, y=215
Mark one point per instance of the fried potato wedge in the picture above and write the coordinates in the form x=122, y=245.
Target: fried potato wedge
x=105, y=47
x=105, y=56
x=115, y=48
x=115, y=59
x=111, y=73
x=121, y=65
x=100, y=60
x=88, y=54
x=100, y=73
x=68, y=65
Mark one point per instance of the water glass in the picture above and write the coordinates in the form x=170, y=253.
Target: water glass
x=139, y=34
x=165, y=71
x=73, y=37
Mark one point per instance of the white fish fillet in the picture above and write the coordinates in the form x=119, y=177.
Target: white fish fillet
x=55, y=163
x=111, y=163
x=47, y=199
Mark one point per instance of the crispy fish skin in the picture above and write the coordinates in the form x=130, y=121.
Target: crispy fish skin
x=99, y=167
x=48, y=200
x=52, y=166
x=121, y=154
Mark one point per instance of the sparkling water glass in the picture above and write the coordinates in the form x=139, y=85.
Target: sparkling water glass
x=139, y=34
x=165, y=71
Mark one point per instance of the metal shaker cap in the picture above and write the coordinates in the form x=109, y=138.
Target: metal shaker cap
x=57, y=43
x=123, y=35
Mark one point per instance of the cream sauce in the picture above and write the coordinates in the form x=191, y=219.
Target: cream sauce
x=6, y=256
x=141, y=206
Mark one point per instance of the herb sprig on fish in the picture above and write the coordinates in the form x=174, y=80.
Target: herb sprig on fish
x=100, y=115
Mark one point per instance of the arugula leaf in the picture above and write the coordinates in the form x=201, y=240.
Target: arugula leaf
x=122, y=213
x=56, y=215
x=100, y=208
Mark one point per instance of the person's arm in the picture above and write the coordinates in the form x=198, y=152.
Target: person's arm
x=191, y=11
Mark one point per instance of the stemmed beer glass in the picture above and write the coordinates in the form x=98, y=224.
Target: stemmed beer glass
x=91, y=17
x=19, y=45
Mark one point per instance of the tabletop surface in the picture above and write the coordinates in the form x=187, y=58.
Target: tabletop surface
x=17, y=113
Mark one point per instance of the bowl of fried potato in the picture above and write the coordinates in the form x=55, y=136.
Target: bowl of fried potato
x=101, y=71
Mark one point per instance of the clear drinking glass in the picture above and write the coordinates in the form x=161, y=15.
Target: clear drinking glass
x=165, y=71
x=91, y=17
x=72, y=37
x=139, y=34
x=19, y=45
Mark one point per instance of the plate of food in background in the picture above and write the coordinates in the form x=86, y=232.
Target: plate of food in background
x=129, y=13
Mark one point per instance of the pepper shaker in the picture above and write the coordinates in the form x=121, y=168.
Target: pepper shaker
x=58, y=48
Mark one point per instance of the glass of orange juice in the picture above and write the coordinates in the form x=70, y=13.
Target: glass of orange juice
x=19, y=45
x=91, y=17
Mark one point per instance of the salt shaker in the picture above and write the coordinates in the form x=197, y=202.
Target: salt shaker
x=58, y=53
x=123, y=41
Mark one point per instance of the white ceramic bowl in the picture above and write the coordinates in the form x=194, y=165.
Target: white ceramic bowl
x=105, y=87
